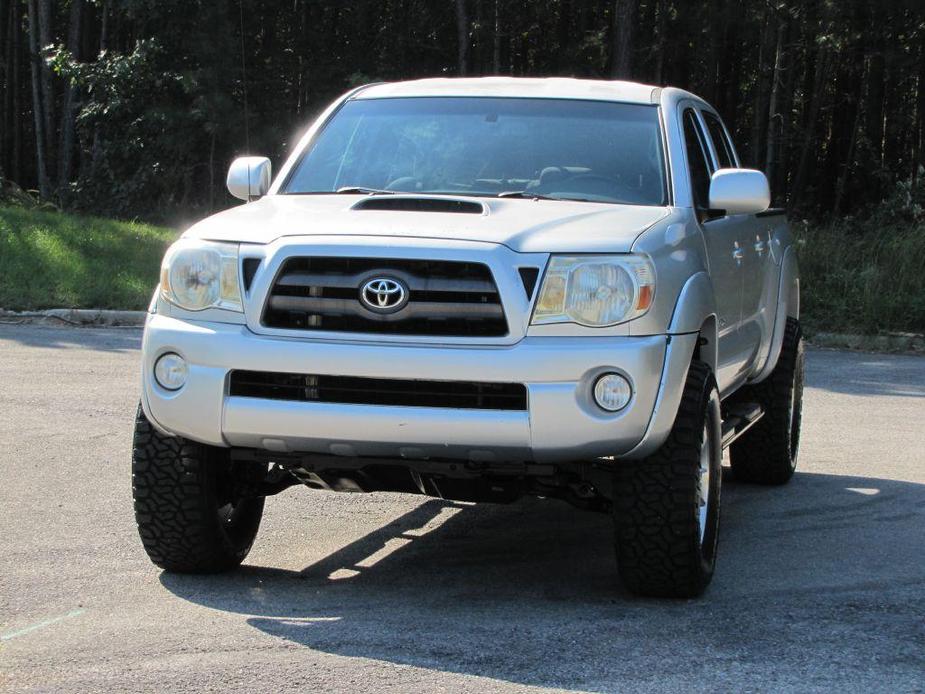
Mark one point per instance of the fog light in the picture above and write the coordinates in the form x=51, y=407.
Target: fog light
x=612, y=392
x=170, y=371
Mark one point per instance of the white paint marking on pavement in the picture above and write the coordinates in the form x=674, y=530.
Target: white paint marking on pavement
x=39, y=625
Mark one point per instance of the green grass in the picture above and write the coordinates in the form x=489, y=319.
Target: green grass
x=50, y=259
x=862, y=278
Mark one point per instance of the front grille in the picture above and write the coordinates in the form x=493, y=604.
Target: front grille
x=353, y=390
x=445, y=298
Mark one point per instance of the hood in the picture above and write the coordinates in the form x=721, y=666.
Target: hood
x=525, y=226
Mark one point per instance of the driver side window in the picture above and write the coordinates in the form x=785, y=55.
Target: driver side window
x=700, y=168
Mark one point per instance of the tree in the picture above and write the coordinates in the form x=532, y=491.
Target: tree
x=39, y=111
x=622, y=61
x=68, y=115
x=828, y=98
x=462, y=38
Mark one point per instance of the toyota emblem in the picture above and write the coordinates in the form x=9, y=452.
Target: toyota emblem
x=384, y=294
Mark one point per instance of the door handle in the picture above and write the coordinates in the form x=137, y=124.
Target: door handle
x=738, y=254
x=760, y=247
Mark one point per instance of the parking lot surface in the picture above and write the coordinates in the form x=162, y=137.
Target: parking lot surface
x=820, y=585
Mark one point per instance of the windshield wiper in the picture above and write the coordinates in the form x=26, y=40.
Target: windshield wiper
x=353, y=190
x=536, y=196
x=523, y=194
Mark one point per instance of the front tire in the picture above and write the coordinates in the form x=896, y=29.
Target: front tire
x=190, y=513
x=666, y=507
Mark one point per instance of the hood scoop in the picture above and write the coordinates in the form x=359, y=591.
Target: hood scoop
x=406, y=203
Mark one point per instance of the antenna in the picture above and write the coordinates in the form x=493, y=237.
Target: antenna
x=247, y=133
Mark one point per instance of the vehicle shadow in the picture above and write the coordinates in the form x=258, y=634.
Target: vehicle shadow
x=825, y=571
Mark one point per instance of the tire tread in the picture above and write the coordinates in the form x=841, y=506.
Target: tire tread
x=175, y=509
x=656, y=536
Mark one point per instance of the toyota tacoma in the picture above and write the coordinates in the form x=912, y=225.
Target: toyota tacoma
x=479, y=289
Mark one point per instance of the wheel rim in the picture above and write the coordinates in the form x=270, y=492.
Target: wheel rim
x=229, y=513
x=231, y=508
x=703, y=482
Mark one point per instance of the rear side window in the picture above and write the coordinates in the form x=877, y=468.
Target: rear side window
x=697, y=160
x=721, y=142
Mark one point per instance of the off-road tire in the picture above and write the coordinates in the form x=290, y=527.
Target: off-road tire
x=656, y=501
x=180, y=489
x=767, y=453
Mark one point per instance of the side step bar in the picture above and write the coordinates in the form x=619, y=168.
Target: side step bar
x=739, y=419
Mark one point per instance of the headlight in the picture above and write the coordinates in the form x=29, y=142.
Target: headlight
x=595, y=290
x=196, y=275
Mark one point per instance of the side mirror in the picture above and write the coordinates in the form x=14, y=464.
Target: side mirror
x=249, y=177
x=739, y=191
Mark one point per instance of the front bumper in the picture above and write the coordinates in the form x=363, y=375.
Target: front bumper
x=561, y=421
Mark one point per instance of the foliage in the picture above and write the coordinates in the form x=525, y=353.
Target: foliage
x=135, y=114
x=51, y=259
x=827, y=97
x=867, y=275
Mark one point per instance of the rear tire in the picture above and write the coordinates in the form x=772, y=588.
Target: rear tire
x=767, y=453
x=190, y=516
x=666, y=507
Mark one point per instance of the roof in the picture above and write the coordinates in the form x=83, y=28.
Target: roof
x=547, y=87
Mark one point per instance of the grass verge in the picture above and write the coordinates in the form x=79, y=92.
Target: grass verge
x=50, y=259
x=862, y=280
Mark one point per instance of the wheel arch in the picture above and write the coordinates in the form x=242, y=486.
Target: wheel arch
x=695, y=312
x=692, y=335
x=695, y=306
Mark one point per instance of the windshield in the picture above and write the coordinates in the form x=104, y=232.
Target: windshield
x=565, y=149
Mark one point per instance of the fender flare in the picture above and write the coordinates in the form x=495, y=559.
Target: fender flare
x=788, y=306
x=696, y=302
x=695, y=312
x=692, y=334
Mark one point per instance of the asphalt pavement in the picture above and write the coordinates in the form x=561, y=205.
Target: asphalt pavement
x=820, y=584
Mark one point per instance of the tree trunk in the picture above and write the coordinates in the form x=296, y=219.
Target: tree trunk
x=496, y=41
x=66, y=143
x=16, y=110
x=37, y=107
x=6, y=36
x=762, y=94
x=875, y=103
x=560, y=59
x=104, y=25
x=462, y=38
x=775, y=119
x=918, y=160
x=809, y=140
x=624, y=12
x=846, y=167
x=661, y=28
x=48, y=95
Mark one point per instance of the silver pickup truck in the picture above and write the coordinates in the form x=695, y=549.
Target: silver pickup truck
x=479, y=289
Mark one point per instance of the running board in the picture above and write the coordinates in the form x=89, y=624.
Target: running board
x=739, y=419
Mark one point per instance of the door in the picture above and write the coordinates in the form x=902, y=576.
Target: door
x=758, y=307
x=725, y=254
